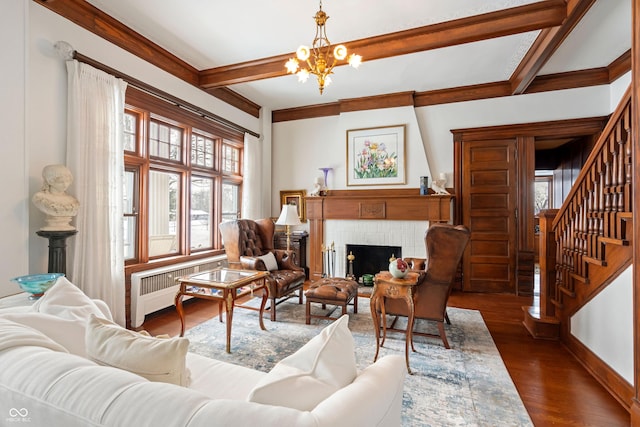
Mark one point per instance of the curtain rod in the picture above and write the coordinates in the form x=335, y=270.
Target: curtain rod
x=161, y=94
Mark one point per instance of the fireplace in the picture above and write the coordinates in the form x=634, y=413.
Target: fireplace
x=371, y=259
x=385, y=217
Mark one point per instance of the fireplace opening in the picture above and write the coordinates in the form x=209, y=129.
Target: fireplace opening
x=370, y=259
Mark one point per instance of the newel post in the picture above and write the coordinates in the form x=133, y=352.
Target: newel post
x=547, y=262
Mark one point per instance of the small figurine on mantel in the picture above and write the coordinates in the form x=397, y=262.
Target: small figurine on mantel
x=53, y=199
x=317, y=187
x=439, y=185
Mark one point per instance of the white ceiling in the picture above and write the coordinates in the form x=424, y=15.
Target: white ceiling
x=208, y=34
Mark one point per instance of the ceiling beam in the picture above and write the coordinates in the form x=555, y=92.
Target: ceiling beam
x=535, y=16
x=545, y=44
x=550, y=82
x=87, y=16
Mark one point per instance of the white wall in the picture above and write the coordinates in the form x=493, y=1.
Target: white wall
x=35, y=110
x=437, y=121
x=605, y=325
x=301, y=147
x=618, y=88
x=15, y=239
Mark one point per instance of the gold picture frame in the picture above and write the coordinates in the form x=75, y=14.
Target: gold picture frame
x=376, y=156
x=295, y=197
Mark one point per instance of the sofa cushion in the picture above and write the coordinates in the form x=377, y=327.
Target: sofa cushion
x=156, y=359
x=14, y=334
x=269, y=261
x=66, y=332
x=322, y=366
x=66, y=300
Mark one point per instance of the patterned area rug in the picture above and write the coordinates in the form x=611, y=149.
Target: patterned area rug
x=467, y=385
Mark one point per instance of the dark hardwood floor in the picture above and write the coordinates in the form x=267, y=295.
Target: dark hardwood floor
x=555, y=388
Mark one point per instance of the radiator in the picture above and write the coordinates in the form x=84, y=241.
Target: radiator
x=153, y=290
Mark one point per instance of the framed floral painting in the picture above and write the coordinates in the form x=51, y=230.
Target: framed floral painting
x=376, y=156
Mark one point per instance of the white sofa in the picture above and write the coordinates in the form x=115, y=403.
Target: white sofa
x=49, y=376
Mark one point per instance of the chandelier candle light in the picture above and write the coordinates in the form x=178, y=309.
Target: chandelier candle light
x=320, y=58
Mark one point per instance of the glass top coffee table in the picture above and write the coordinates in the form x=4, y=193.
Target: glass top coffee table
x=224, y=285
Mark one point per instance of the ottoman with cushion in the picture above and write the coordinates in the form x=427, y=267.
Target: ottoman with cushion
x=333, y=291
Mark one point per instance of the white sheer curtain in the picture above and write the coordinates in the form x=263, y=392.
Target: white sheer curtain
x=95, y=157
x=251, y=188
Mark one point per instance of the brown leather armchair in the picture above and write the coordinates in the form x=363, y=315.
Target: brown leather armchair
x=246, y=239
x=445, y=245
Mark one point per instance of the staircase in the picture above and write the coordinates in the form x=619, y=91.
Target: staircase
x=587, y=243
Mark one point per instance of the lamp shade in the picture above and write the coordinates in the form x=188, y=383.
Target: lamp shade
x=289, y=216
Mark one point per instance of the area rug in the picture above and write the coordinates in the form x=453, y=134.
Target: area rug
x=467, y=385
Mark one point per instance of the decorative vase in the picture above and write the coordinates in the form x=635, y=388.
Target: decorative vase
x=395, y=270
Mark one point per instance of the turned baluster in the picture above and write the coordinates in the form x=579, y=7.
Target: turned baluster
x=591, y=184
x=627, y=160
x=621, y=167
x=613, y=149
x=601, y=198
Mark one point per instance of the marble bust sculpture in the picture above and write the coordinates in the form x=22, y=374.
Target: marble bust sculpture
x=53, y=199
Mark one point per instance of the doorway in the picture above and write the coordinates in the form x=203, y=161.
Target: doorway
x=494, y=183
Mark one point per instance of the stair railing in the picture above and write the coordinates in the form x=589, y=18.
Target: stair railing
x=596, y=209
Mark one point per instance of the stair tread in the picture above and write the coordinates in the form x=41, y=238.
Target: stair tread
x=613, y=241
x=534, y=313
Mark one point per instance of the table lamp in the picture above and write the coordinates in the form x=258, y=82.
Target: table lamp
x=289, y=217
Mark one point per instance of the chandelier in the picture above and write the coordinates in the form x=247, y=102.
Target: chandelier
x=320, y=58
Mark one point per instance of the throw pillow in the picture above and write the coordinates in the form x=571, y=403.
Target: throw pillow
x=156, y=359
x=269, y=261
x=317, y=370
x=66, y=300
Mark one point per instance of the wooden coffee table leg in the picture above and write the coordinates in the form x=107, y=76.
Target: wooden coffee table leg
x=180, y=311
x=265, y=296
x=230, y=303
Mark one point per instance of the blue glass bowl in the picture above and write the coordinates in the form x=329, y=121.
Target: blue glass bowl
x=37, y=284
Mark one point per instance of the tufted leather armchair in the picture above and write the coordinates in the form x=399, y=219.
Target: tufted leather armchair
x=246, y=239
x=445, y=245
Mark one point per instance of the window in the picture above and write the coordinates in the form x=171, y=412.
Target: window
x=182, y=177
x=230, y=201
x=543, y=193
x=130, y=213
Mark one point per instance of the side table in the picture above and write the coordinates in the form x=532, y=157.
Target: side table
x=298, y=244
x=387, y=286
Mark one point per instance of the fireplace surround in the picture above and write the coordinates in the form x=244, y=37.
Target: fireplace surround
x=395, y=217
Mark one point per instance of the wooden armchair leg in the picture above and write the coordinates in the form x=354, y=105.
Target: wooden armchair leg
x=443, y=335
x=446, y=317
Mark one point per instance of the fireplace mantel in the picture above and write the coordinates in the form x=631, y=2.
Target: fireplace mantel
x=381, y=204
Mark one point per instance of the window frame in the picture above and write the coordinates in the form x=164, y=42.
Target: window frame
x=149, y=108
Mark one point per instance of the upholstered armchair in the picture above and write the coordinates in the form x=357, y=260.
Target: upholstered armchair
x=445, y=245
x=249, y=245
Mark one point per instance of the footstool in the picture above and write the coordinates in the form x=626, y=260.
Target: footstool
x=333, y=291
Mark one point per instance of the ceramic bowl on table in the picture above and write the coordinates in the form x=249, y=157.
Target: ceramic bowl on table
x=37, y=284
